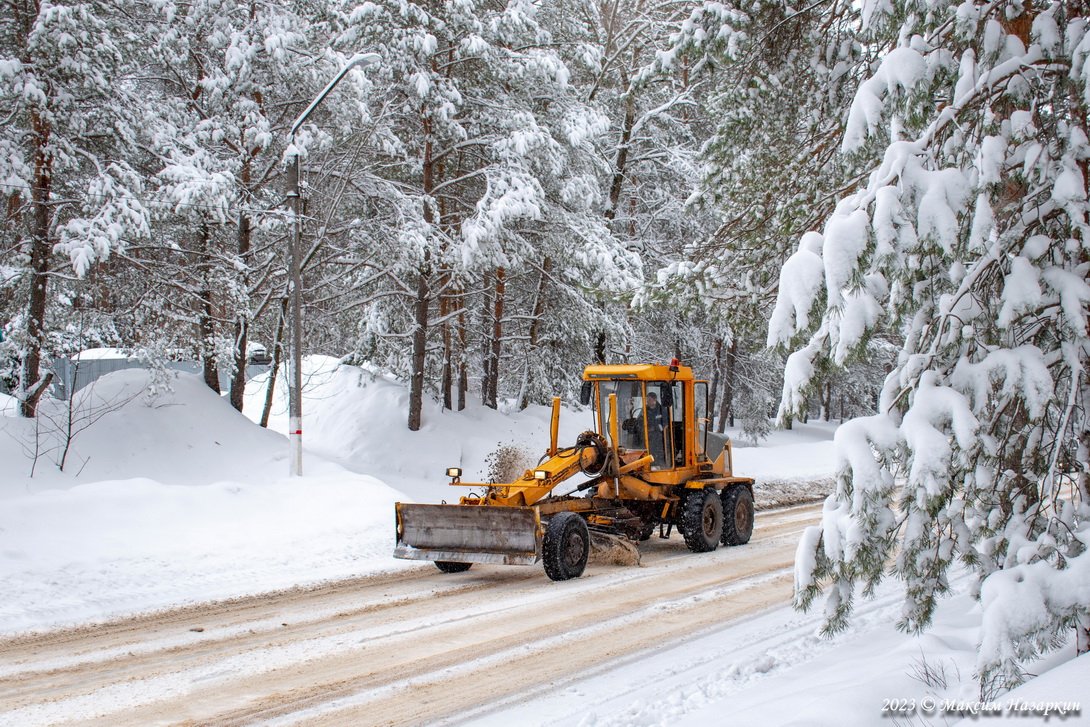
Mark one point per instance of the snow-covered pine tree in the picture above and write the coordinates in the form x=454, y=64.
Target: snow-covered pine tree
x=773, y=76
x=657, y=126
x=970, y=238
x=488, y=174
x=229, y=78
x=71, y=117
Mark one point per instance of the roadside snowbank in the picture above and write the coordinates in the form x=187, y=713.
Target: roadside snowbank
x=776, y=670
x=169, y=500
x=122, y=429
x=129, y=545
x=357, y=417
x=789, y=467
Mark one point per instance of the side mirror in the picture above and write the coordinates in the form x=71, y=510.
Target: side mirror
x=666, y=395
x=585, y=392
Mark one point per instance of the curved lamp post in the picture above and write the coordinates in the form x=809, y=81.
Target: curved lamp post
x=295, y=381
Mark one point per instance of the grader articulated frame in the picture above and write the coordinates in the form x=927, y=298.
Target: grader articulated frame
x=647, y=464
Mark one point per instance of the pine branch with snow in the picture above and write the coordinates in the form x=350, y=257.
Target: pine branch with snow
x=970, y=240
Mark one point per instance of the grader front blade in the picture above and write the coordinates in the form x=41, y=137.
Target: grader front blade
x=469, y=533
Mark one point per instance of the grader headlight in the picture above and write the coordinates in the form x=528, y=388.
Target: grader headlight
x=541, y=475
x=454, y=473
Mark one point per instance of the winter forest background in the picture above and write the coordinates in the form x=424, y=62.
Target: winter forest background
x=847, y=209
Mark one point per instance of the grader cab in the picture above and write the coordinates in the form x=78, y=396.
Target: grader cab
x=649, y=463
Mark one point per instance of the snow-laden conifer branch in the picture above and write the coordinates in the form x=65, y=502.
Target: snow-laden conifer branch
x=969, y=240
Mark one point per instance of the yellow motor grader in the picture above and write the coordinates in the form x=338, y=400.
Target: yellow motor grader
x=648, y=464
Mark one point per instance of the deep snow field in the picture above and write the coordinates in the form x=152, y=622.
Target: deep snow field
x=175, y=498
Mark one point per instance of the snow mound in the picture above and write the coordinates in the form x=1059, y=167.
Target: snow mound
x=357, y=417
x=101, y=354
x=121, y=430
x=1058, y=696
x=116, y=547
x=169, y=499
x=789, y=467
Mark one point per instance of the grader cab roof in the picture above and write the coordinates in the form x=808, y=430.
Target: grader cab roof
x=640, y=372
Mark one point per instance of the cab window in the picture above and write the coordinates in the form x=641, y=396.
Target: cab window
x=631, y=424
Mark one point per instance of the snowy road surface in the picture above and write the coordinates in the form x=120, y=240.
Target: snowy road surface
x=411, y=647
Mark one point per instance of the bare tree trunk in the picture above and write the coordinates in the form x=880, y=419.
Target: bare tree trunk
x=40, y=387
x=717, y=369
x=206, y=328
x=726, y=407
x=40, y=251
x=277, y=357
x=238, y=375
x=620, y=161
x=487, y=290
x=448, y=364
x=242, y=325
x=423, y=295
x=420, y=338
x=600, y=348
x=535, y=330
x=495, y=344
x=207, y=332
x=463, y=372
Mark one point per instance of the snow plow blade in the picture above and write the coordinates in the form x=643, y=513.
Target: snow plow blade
x=469, y=534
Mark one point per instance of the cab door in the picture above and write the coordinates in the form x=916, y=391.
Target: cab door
x=666, y=425
x=702, y=418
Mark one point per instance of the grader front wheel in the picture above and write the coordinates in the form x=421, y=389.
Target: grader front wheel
x=702, y=520
x=451, y=567
x=566, y=546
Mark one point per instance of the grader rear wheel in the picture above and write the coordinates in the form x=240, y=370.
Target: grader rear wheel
x=702, y=520
x=737, y=515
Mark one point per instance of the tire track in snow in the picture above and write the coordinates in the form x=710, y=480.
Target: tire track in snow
x=411, y=646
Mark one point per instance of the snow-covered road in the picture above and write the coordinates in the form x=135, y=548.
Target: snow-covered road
x=412, y=647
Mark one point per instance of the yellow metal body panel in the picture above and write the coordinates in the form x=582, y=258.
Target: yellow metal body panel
x=528, y=489
x=633, y=488
x=554, y=427
x=640, y=372
x=677, y=476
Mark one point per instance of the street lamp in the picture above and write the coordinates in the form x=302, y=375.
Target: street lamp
x=295, y=381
